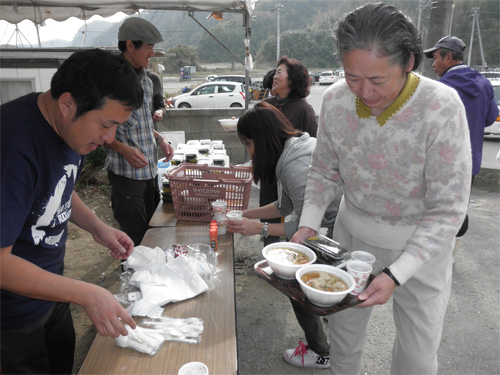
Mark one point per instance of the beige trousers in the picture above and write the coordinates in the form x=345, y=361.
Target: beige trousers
x=419, y=307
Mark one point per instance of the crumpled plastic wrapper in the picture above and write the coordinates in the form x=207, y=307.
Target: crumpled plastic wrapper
x=142, y=256
x=170, y=282
x=156, y=277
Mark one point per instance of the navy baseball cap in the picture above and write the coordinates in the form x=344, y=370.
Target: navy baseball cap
x=449, y=42
x=135, y=28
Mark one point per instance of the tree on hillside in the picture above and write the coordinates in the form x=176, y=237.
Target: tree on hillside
x=184, y=55
x=231, y=35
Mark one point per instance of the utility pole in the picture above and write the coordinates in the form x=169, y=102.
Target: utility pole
x=475, y=20
x=439, y=26
x=277, y=9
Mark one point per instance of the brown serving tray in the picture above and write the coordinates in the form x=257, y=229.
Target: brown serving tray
x=291, y=289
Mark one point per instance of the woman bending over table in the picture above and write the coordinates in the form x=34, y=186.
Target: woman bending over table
x=280, y=152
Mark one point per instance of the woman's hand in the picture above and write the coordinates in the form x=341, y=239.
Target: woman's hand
x=378, y=292
x=303, y=234
x=245, y=227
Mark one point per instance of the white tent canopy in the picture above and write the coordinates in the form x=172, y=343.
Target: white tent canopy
x=39, y=10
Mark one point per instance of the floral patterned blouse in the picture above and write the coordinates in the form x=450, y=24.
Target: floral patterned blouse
x=406, y=179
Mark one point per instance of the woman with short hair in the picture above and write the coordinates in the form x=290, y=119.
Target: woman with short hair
x=290, y=87
x=397, y=145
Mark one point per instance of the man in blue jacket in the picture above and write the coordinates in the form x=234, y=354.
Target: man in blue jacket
x=473, y=88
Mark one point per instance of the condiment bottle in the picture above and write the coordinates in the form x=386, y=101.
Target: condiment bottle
x=213, y=238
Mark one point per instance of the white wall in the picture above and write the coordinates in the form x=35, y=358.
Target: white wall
x=38, y=77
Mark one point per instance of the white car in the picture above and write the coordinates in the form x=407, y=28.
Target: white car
x=212, y=95
x=495, y=128
x=327, y=78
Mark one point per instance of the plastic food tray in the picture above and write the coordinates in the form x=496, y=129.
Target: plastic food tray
x=194, y=187
x=291, y=289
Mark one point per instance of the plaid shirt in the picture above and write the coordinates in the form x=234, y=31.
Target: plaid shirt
x=137, y=132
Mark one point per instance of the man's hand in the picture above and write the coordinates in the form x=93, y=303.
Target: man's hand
x=118, y=242
x=134, y=157
x=158, y=115
x=166, y=148
x=106, y=312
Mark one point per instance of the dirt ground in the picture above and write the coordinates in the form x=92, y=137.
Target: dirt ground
x=88, y=261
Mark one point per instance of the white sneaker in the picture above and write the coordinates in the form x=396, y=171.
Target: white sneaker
x=304, y=356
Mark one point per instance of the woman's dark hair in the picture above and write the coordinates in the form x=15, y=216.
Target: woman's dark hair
x=93, y=76
x=122, y=45
x=298, y=76
x=269, y=129
x=380, y=28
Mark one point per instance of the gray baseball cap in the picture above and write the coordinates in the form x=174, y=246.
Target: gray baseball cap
x=449, y=42
x=135, y=28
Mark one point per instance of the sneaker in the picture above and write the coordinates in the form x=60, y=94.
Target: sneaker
x=304, y=356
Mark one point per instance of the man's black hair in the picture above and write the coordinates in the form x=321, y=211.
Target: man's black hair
x=93, y=76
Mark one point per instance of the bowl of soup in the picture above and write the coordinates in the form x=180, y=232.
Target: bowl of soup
x=324, y=285
x=285, y=258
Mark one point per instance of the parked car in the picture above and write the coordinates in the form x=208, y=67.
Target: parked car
x=212, y=95
x=495, y=128
x=492, y=76
x=233, y=78
x=327, y=78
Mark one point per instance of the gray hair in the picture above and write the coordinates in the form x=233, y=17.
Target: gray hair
x=455, y=56
x=382, y=29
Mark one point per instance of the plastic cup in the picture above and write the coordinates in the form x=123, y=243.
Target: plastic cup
x=193, y=368
x=234, y=215
x=360, y=271
x=363, y=256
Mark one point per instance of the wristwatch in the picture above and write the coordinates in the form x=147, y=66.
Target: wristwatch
x=388, y=272
x=264, y=232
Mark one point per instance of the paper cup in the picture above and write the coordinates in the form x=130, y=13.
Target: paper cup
x=234, y=215
x=360, y=271
x=219, y=207
x=193, y=368
x=222, y=226
x=363, y=256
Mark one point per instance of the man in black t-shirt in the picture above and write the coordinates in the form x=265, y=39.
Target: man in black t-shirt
x=44, y=137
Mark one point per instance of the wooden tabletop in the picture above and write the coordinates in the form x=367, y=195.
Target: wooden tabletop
x=164, y=216
x=216, y=308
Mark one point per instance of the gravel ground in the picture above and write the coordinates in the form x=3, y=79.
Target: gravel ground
x=471, y=337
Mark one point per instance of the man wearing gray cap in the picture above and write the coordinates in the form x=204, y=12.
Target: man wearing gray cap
x=473, y=88
x=132, y=158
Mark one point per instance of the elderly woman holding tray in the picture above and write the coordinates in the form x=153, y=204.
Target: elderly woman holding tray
x=397, y=145
x=283, y=153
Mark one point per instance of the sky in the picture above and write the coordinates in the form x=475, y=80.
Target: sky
x=65, y=30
